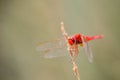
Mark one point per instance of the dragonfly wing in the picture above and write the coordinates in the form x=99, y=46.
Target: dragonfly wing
x=87, y=49
x=52, y=49
x=57, y=52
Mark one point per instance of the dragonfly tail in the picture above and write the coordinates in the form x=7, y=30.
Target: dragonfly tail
x=88, y=38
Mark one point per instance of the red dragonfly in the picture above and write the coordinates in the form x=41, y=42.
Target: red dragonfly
x=82, y=40
x=50, y=47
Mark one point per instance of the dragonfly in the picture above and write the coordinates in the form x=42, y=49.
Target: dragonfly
x=69, y=43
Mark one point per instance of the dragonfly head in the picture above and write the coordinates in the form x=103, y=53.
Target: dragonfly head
x=70, y=41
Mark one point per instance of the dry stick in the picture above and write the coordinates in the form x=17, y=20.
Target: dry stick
x=71, y=51
x=75, y=68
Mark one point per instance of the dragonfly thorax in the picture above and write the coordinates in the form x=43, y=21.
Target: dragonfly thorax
x=75, y=39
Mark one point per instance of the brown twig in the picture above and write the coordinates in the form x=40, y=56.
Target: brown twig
x=73, y=50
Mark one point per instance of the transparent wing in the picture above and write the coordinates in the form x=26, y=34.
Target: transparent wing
x=87, y=49
x=53, y=48
x=58, y=52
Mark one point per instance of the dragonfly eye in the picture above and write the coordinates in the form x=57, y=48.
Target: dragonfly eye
x=70, y=41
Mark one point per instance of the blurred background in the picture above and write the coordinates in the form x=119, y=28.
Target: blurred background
x=24, y=23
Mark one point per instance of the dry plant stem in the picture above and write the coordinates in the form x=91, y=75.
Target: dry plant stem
x=75, y=68
x=73, y=50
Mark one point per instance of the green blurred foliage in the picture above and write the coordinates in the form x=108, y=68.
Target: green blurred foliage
x=24, y=23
